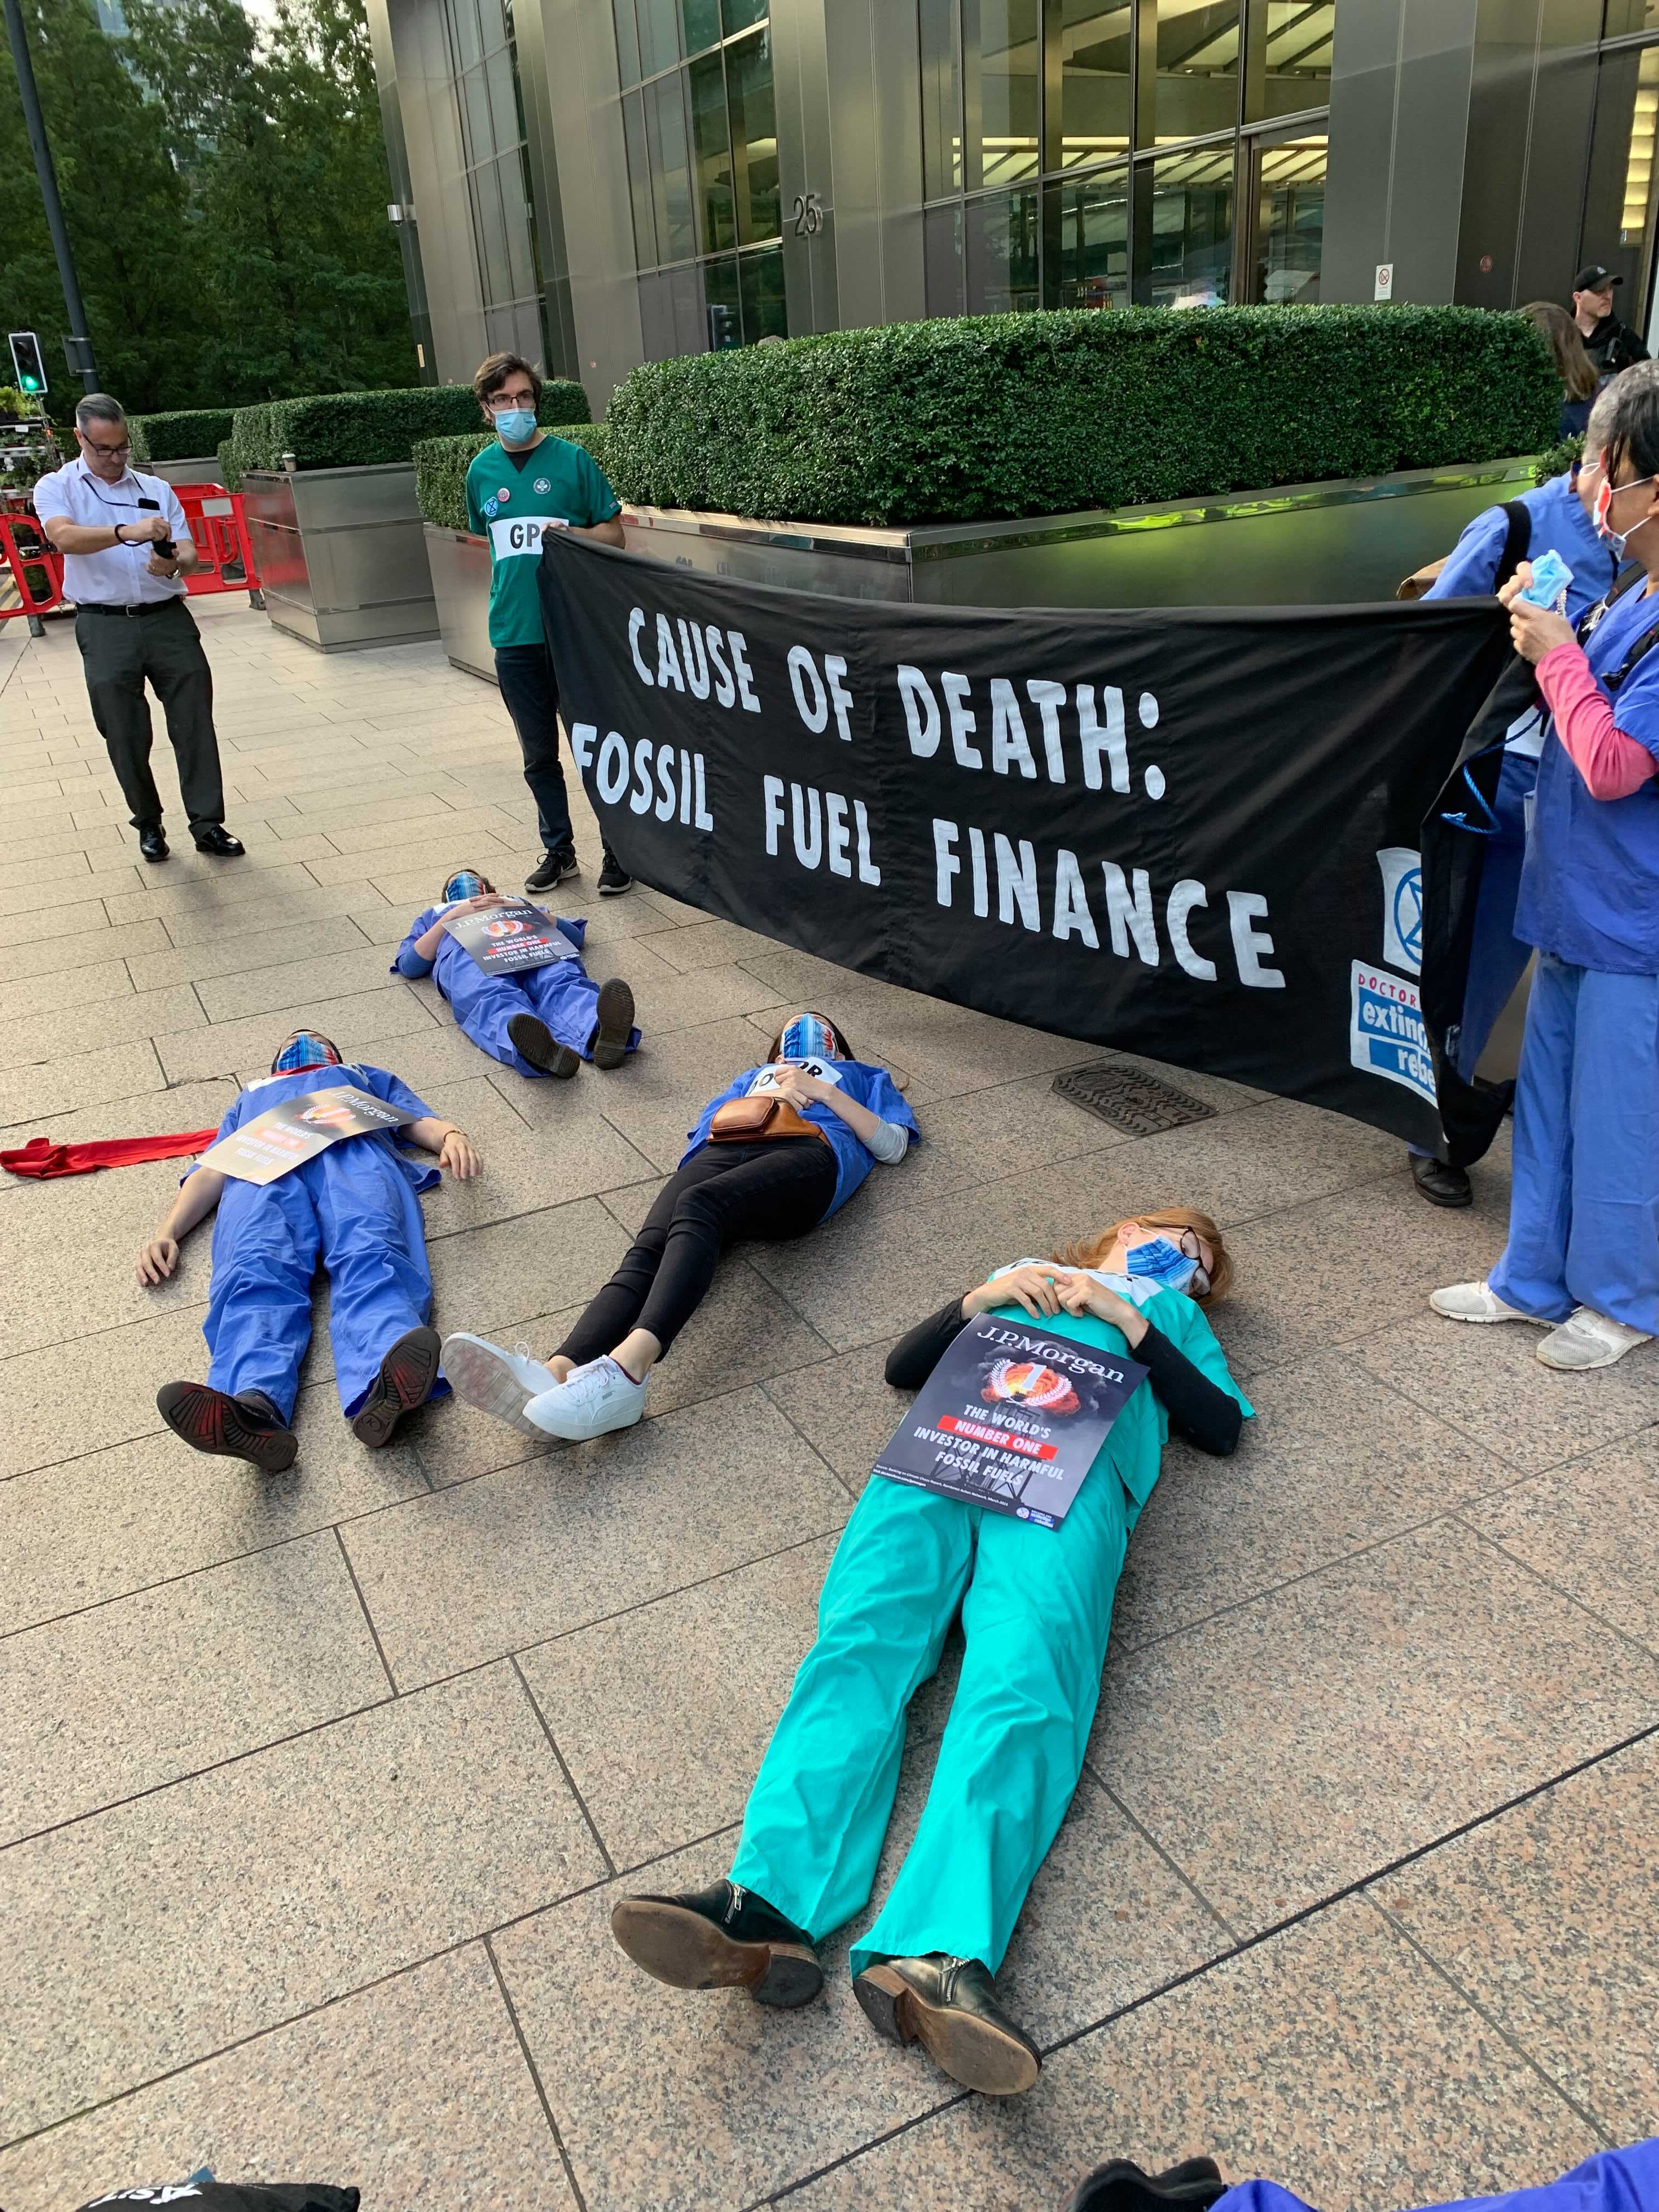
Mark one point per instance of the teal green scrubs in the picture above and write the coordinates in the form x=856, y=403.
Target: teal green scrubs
x=509, y=500
x=1037, y=1608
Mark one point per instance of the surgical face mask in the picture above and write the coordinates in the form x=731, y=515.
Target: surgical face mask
x=516, y=426
x=305, y=1049
x=1163, y=1263
x=809, y=1036
x=464, y=883
x=1616, y=539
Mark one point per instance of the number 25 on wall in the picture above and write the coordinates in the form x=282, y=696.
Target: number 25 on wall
x=809, y=214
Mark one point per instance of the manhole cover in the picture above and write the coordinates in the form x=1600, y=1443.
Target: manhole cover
x=1129, y=1100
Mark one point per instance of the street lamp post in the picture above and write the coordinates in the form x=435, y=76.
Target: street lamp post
x=79, y=342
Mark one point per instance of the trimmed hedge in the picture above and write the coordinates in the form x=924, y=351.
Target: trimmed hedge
x=358, y=429
x=1558, y=459
x=180, y=436
x=967, y=419
x=441, y=464
x=229, y=475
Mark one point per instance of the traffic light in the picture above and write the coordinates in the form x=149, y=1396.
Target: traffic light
x=27, y=366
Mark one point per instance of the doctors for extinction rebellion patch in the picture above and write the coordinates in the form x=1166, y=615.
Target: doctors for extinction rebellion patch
x=1386, y=1032
x=543, y=486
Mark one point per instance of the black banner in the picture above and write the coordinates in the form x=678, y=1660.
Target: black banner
x=1185, y=833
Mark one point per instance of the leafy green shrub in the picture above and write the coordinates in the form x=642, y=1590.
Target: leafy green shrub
x=965, y=419
x=229, y=475
x=180, y=436
x=358, y=429
x=1558, y=459
x=441, y=464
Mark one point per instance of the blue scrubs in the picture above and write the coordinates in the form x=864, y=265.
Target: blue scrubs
x=871, y=1087
x=355, y=1208
x=561, y=995
x=1497, y=957
x=1584, y=1205
x=1612, y=2181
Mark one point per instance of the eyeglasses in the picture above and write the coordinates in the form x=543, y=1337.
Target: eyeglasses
x=498, y=400
x=1191, y=1248
x=108, y=452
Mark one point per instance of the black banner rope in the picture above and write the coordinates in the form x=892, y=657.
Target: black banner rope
x=1186, y=833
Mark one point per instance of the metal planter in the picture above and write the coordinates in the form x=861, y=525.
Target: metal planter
x=340, y=554
x=460, y=568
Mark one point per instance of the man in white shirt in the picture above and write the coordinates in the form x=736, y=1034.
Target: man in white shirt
x=126, y=551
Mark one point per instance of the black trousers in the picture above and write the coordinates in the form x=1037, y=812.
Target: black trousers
x=119, y=653
x=530, y=692
x=721, y=1195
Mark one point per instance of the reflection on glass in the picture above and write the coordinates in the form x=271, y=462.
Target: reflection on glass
x=1638, y=164
x=1625, y=15
x=1093, y=235
x=463, y=29
x=1290, y=235
x=740, y=14
x=1095, y=42
x=1192, y=229
x=941, y=247
x=1002, y=238
x=1001, y=61
x=1197, y=67
x=628, y=41
x=724, y=311
x=520, y=216
x=700, y=19
x=671, y=179
x=764, y=315
x=713, y=149
x=475, y=113
x=754, y=138
x=492, y=234
x=941, y=100
x=656, y=318
x=660, y=34
x=503, y=106
x=1298, y=40
x=639, y=182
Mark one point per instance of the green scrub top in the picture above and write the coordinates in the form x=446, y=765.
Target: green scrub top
x=509, y=497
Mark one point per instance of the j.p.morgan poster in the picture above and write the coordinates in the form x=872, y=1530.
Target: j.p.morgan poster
x=1178, y=832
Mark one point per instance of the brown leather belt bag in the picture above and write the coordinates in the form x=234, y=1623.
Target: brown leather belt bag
x=756, y=1121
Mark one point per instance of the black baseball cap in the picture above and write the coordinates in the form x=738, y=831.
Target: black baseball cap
x=1595, y=278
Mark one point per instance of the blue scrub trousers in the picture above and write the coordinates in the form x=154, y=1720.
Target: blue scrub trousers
x=353, y=1209
x=1584, y=1204
x=1036, y=1605
x=560, y=995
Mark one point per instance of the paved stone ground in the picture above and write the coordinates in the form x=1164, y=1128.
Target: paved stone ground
x=315, y=1792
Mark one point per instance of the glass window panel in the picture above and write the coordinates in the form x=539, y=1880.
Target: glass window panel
x=941, y=100
x=1001, y=238
x=495, y=267
x=1289, y=233
x=475, y=110
x=941, y=247
x=699, y=20
x=1001, y=58
x=1297, y=55
x=713, y=150
x=464, y=25
x=1622, y=17
x=639, y=181
x=656, y=318
x=671, y=171
x=754, y=138
x=628, y=41
x=742, y=14
x=503, y=101
x=529, y=192
x=687, y=310
x=1197, y=68
x=1193, y=229
x=1638, y=162
x=722, y=303
x=764, y=314
x=1092, y=235
x=520, y=223
x=492, y=25
x=1095, y=42
x=660, y=34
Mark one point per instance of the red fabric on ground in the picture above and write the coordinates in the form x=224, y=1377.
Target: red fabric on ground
x=41, y=1160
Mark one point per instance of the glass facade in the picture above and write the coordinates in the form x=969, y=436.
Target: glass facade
x=1104, y=153
x=512, y=278
x=700, y=127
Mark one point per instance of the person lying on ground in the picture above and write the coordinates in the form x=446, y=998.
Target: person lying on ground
x=353, y=1208
x=1035, y=1605
x=784, y=1146
x=542, y=1021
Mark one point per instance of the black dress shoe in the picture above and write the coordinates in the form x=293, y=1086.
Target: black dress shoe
x=531, y=1037
x=719, y=1938
x=950, y=2007
x=218, y=842
x=614, y=1025
x=1440, y=1184
x=408, y=1375
x=1120, y=2185
x=151, y=843
x=246, y=1427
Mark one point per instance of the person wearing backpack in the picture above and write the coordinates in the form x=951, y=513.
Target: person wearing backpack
x=1582, y=1255
x=1556, y=515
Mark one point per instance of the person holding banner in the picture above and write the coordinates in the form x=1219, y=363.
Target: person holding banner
x=542, y=1020
x=349, y=1203
x=1035, y=1605
x=783, y=1146
x=1582, y=1255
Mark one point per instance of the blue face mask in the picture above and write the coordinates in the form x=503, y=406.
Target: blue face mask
x=809, y=1036
x=464, y=883
x=1162, y=1262
x=516, y=426
x=305, y=1049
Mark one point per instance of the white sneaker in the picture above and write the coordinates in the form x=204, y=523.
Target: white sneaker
x=597, y=1398
x=1478, y=1302
x=498, y=1383
x=1588, y=1338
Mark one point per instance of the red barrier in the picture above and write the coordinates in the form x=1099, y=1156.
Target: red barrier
x=224, y=552
x=31, y=574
